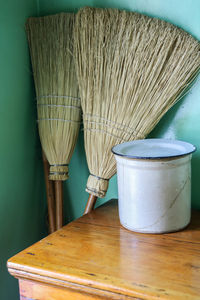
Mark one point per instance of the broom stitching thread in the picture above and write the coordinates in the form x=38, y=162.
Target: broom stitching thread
x=115, y=123
x=58, y=173
x=99, y=178
x=62, y=165
x=113, y=135
x=62, y=120
x=95, y=190
x=138, y=134
x=59, y=105
x=64, y=97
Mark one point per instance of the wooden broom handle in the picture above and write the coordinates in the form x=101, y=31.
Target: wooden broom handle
x=59, y=203
x=50, y=196
x=90, y=204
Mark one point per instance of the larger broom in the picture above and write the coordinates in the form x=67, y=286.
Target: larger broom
x=131, y=70
x=51, y=46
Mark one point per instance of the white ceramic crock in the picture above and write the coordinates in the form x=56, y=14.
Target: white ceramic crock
x=154, y=184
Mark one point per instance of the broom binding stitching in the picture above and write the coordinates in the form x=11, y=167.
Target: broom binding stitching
x=64, y=165
x=62, y=120
x=98, y=177
x=58, y=173
x=54, y=96
x=138, y=135
x=115, y=136
x=58, y=105
x=96, y=116
x=95, y=190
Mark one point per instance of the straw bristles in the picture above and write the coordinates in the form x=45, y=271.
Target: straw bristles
x=131, y=69
x=58, y=103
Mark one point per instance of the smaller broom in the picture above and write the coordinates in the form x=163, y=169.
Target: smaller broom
x=58, y=103
x=131, y=70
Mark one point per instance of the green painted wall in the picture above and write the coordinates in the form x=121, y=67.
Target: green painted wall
x=22, y=208
x=182, y=122
x=22, y=205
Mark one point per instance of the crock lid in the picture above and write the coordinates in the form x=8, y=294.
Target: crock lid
x=153, y=149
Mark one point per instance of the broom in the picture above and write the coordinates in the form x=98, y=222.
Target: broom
x=58, y=102
x=131, y=70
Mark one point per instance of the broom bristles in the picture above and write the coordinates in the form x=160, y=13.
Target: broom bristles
x=131, y=70
x=58, y=103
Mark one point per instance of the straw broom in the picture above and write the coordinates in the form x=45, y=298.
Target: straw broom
x=58, y=102
x=131, y=70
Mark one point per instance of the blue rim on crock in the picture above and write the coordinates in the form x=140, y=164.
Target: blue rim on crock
x=191, y=150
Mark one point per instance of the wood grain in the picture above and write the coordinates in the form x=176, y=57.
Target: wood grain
x=96, y=255
x=59, y=203
x=30, y=290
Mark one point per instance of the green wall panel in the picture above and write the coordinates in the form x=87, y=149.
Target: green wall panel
x=22, y=208
x=181, y=122
x=22, y=205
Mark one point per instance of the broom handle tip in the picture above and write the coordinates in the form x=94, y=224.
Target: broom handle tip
x=90, y=204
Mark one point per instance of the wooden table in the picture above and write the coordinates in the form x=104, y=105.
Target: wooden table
x=95, y=258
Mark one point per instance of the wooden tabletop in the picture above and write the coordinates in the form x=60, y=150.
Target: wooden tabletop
x=96, y=254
